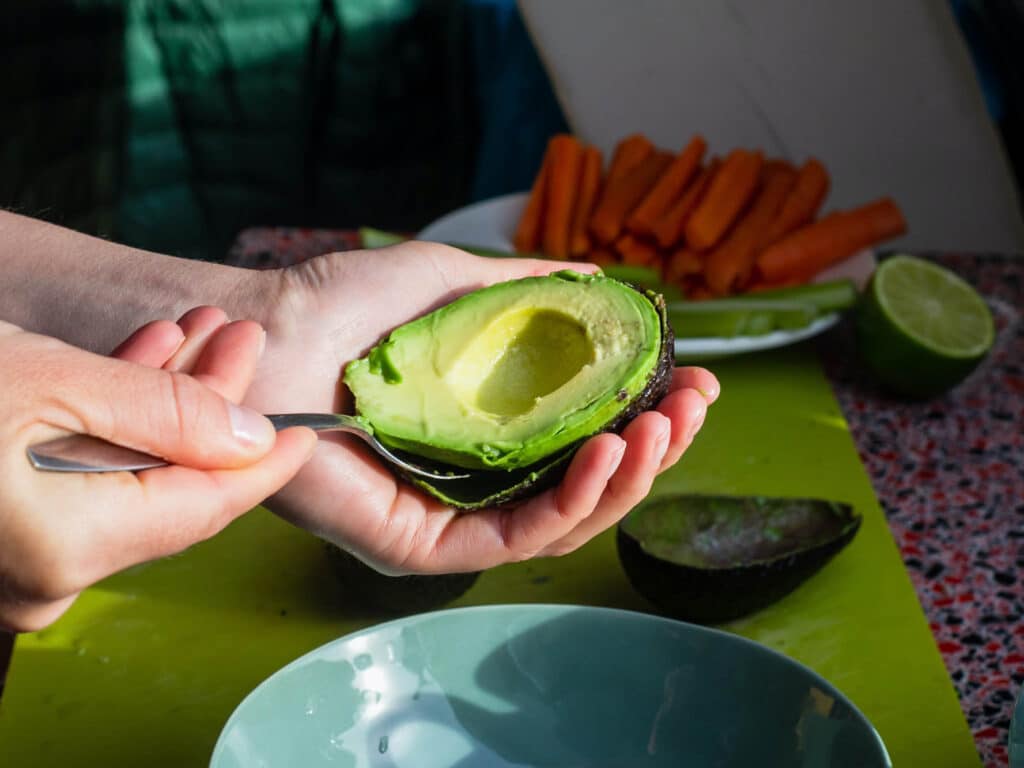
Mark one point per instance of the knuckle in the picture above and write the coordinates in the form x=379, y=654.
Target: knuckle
x=185, y=401
x=43, y=568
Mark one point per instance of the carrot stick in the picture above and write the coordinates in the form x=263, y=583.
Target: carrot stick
x=590, y=184
x=773, y=164
x=822, y=243
x=629, y=153
x=699, y=292
x=669, y=229
x=730, y=263
x=528, y=231
x=562, y=184
x=622, y=197
x=728, y=194
x=681, y=264
x=637, y=252
x=668, y=189
x=802, y=204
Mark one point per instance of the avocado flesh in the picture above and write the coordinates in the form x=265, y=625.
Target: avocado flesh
x=711, y=559
x=509, y=375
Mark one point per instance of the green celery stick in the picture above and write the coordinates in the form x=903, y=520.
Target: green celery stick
x=729, y=318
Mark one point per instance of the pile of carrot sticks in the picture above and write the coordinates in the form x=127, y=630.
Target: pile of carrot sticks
x=713, y=226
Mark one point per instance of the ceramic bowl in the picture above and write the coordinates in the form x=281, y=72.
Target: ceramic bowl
x=545, y=685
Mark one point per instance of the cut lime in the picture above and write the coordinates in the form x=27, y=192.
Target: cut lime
x=921, y=329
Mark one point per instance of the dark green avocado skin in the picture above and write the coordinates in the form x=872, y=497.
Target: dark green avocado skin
x=720, y=595
x=392, y=595
x=485, y=489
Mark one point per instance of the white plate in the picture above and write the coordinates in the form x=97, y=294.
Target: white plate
x=491, y=223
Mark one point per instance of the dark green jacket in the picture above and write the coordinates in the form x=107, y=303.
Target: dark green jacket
x=172, y=124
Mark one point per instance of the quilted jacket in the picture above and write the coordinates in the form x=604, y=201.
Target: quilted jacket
x=172, y=124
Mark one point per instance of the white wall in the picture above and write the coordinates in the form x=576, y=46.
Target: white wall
x=881, y=90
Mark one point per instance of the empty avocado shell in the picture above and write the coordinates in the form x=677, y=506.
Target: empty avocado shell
x=711, y=559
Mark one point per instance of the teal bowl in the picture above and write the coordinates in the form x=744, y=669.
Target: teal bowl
x=545, y=685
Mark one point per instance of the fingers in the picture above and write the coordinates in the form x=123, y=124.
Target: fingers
x=700, y=379
x=685, y=410
x=146, y=516
x=168, y=414
x=491, y=537
x=647, y=439
x=227, y=362
x=198, y=325
x=152, y=345
x=181, y=506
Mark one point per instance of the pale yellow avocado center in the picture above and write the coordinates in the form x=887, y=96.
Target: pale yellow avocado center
x=518, y=359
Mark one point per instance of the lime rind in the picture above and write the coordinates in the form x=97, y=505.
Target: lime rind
x=934, y=307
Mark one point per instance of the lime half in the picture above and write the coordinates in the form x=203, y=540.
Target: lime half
x=921, y=329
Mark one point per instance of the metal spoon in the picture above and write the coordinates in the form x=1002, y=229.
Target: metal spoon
x=84, y=453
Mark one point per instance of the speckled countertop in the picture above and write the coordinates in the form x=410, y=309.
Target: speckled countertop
x=949, y=473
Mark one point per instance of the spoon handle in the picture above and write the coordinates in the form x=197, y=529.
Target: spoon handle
x=84, y=453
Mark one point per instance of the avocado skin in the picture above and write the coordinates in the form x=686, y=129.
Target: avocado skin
x=486, y=489
x=714, y=596
x=390, y=595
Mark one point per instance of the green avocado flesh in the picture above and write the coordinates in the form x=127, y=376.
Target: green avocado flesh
x=717, y=558
x=509, y=375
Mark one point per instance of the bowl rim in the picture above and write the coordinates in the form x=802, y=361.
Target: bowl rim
x=555, y=609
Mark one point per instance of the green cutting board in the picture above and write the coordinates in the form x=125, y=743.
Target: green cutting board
x=147, y=666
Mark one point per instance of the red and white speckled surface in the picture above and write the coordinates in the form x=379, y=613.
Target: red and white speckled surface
x=949, y=473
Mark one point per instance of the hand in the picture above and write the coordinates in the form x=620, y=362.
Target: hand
x=61, y=532
x=331, y=310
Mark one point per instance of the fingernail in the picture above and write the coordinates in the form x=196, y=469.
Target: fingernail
x=661, y=443
x=312, y=449
x=697, y=424
x=263, y=343
x=616, y=459
x=709, y=395
x=248, y=426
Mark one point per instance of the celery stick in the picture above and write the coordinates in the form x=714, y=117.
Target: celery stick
x=728, y=318
x=832, y=296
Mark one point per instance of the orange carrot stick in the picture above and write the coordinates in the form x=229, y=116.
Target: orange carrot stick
x=562, y=184
x=682, y=264
x=730, y=263
x=668, y=189
x=802, y=204
x=729, y=193
x=640, y=253
x=528, y=231
x=590, y=184
x=827, y=241
x=773, y=164
x=629, y=153
x=622, y=197
x=699, y=292
x=669, y=229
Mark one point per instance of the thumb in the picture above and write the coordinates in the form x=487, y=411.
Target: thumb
x=165, y=413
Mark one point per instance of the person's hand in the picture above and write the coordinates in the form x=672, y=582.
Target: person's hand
x=328, y=311
x=61, y=532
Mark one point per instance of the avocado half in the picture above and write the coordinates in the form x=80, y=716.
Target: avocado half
x=711, y=559
x=391, y=595
x=505, y=383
